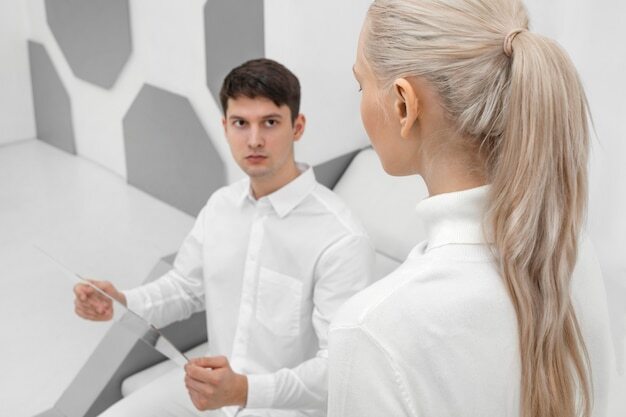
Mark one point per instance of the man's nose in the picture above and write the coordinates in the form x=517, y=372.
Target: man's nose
x=255, y=140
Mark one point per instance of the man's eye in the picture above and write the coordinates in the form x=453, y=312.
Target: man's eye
x=239, y=123
x=271, y=122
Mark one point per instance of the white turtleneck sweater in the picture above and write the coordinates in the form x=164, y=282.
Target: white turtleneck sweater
x=438, y=336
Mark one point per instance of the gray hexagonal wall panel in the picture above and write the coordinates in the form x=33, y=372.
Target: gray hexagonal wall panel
x=329, y=172
x=234, y=33
x=53, y=109
x=94, y=36
x=168, y=153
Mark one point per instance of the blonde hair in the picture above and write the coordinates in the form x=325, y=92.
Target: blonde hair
x=527, y=113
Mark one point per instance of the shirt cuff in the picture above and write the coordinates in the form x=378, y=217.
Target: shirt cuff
x=261, y=389
x=134, y=301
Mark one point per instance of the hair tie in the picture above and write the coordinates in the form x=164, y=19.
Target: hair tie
x=508, y=41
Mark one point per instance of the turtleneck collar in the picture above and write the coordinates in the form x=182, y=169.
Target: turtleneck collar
x=454, y=218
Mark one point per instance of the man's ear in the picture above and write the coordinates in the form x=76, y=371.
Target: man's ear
x=298, y=127
x=224, y=123
x=406, y=105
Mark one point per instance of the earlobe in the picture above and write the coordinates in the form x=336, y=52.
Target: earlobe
x=406, y=105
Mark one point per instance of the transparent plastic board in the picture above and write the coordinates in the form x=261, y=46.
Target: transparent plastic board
x=130, y=320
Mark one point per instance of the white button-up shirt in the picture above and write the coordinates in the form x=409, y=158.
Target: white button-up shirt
x=438, y=336
x=270, y=273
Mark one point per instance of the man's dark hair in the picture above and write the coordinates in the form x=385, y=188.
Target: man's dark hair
x=262, y=78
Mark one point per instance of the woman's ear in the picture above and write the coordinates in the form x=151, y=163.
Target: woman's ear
x=406, y=105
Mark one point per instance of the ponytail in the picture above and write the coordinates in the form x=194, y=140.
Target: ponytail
x=537, y=206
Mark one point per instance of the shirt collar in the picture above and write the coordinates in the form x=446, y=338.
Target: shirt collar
x=454, y=218
x=286, y=198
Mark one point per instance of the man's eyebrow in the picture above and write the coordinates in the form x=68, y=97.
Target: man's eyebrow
x=273, y=116
x=266, y=116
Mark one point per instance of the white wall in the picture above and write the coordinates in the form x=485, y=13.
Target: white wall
x=316, y=40
x=16, y=103
x=591, y=32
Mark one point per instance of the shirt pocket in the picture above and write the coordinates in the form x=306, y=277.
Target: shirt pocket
x=278, y=302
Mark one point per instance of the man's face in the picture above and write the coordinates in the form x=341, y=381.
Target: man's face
x=261, y=137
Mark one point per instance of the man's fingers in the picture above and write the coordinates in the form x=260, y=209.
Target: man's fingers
x=93, y=308
x=199, y=401
x=96, y=301
x=198, y=386
x=89, y=313
x=83, y=291
x=84, y=306
x=90, y=303
x=86, y=314
x=101, y=305
x=210, y=362
x=199, y=374
x=86, y=293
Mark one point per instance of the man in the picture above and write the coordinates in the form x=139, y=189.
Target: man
x=270, y=258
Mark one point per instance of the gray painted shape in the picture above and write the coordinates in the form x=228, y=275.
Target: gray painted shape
x=94, y=36
x=98, y=384
x=170, y=258
x=168, y=153
x=53, y=108
x=329, y=172
x=234, y=33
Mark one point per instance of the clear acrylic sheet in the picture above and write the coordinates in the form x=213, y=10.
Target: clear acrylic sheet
x=130, y=320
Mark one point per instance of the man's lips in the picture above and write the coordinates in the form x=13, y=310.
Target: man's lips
x=255, y=159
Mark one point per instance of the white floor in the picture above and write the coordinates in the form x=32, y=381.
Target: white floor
x=91, y=220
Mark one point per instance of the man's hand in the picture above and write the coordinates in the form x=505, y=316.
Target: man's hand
x=213, y=384
x=91, y=305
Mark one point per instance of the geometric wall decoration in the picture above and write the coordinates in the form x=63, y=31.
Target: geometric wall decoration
x=53, y=109
x=329, y=172
x=168, y=152
x=94, y=36
x=234, y=33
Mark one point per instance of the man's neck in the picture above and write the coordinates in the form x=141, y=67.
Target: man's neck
x=262, y=186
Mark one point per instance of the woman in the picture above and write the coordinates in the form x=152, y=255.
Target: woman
x=479, y=320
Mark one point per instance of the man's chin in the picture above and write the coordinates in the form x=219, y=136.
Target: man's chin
x=256, y=172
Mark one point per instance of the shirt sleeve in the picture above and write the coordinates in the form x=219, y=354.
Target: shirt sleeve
x=344, y=268
x=364, y=380
x=180, y=292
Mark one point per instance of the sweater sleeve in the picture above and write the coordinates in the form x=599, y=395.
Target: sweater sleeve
x=363, y=379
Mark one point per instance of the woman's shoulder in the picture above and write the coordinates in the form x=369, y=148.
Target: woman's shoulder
x=424, y=291
x=359, y=306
